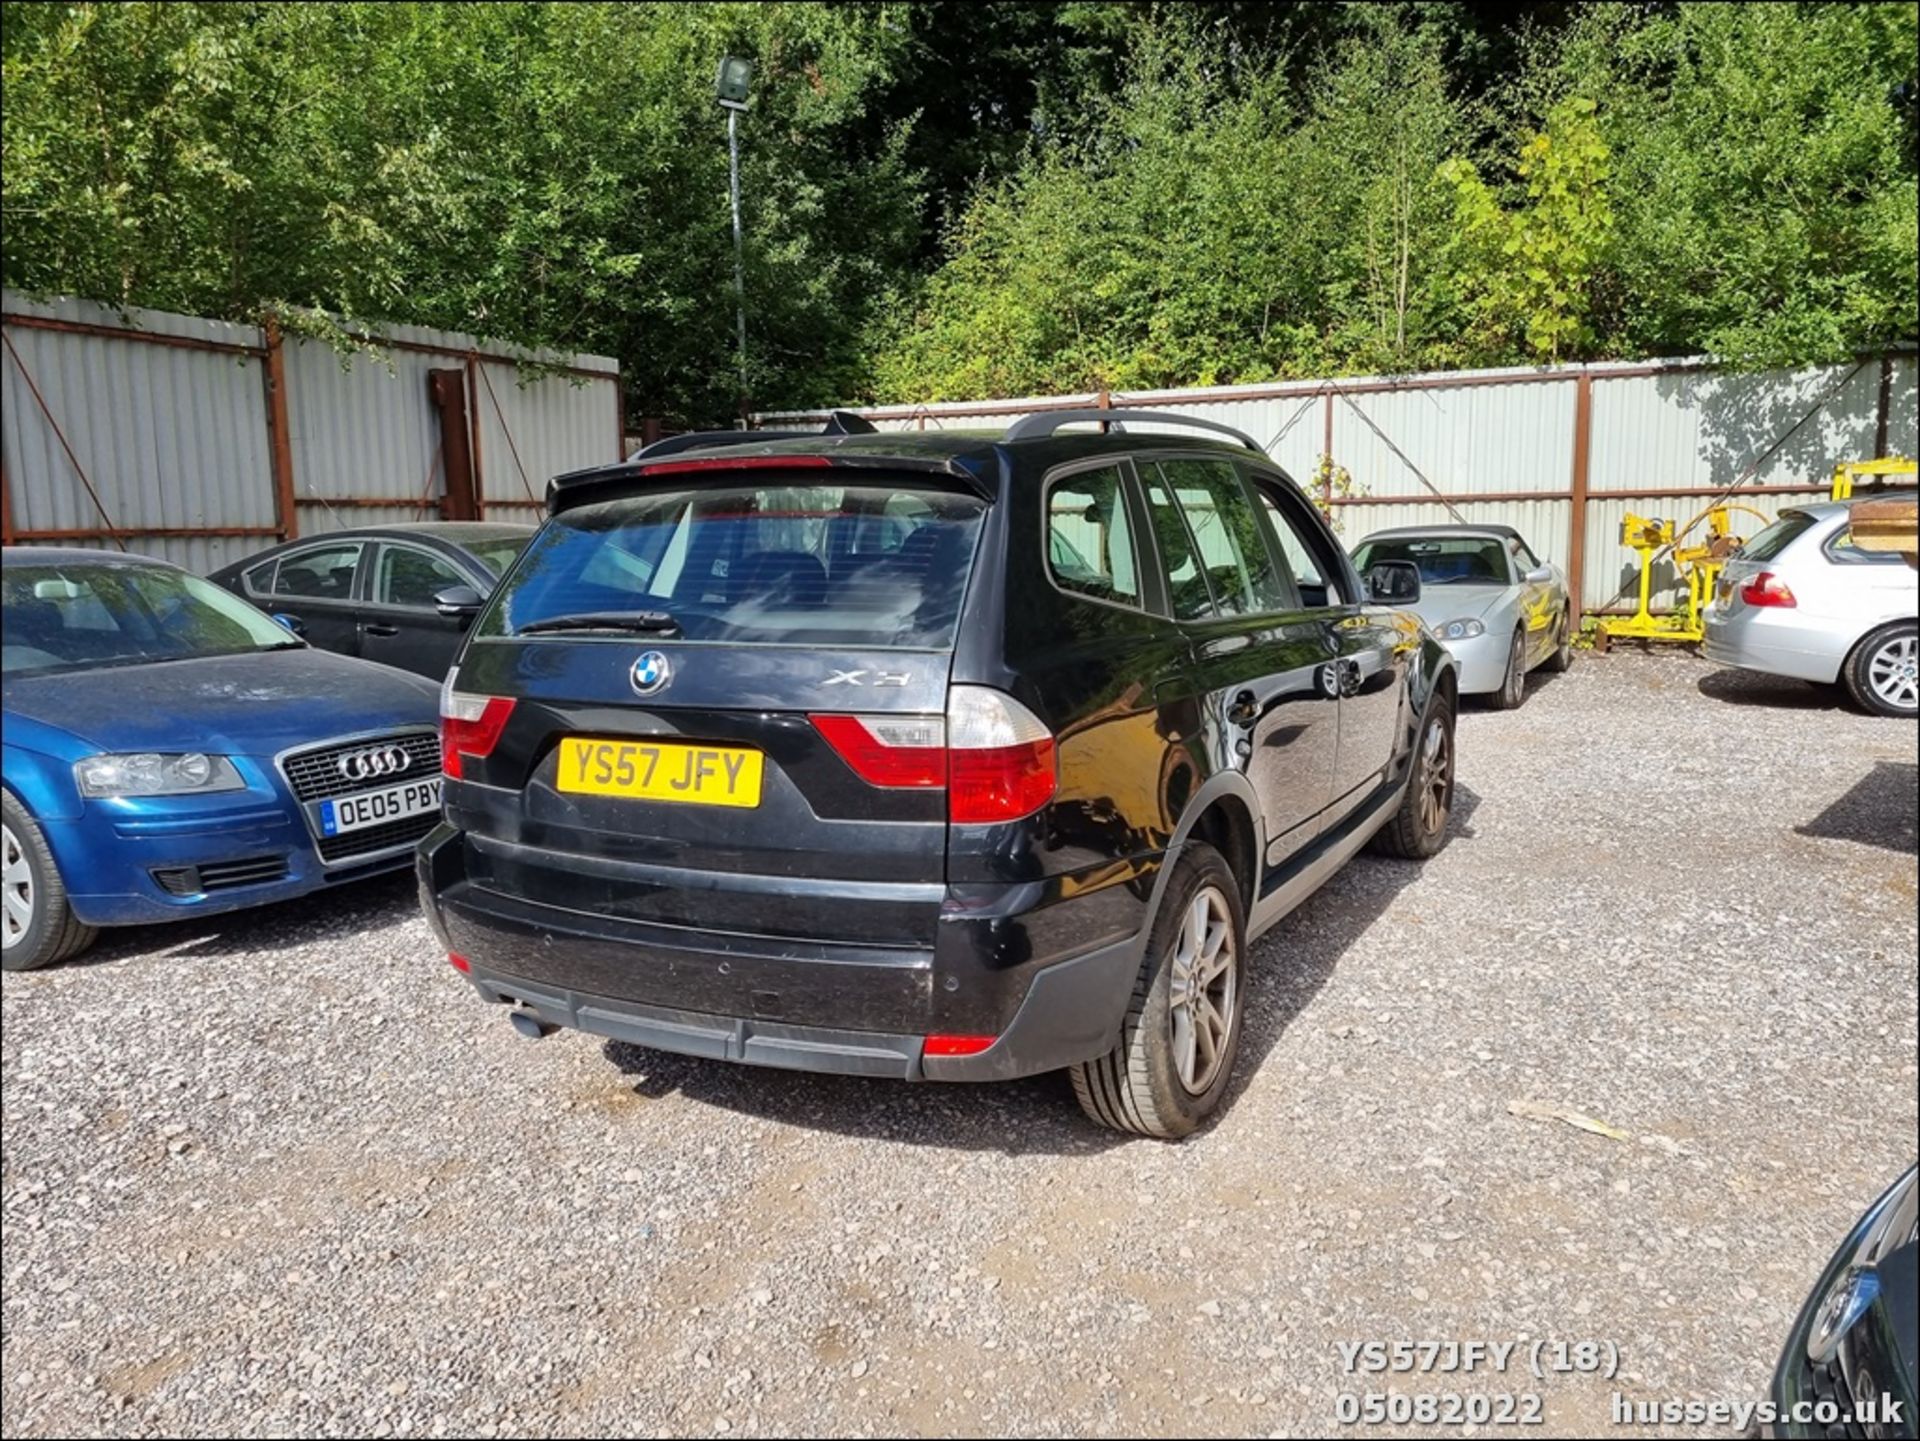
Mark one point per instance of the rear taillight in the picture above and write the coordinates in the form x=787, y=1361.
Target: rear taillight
x=470, y=727
x=889, y=750
x=991, y=753
x=1767, y=588
x=1000, y=758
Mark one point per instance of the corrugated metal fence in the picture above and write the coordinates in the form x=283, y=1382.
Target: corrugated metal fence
x=1560, y=453
x=202, y=441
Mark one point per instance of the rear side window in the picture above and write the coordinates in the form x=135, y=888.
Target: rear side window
x=325, y=573
x=1090, y=537
x=1767, y=545
x=858, y=565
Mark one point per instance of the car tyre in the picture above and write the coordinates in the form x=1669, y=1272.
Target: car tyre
x=40, y=927
x=1880, y=674
x=1561, y=659
x=1419, y=827
x=1181, y=1034
x=1513, y=685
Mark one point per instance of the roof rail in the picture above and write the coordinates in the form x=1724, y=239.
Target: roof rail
x=1042, y=424
x=839, y=422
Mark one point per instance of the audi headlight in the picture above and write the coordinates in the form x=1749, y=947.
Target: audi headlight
x=1460, y=630
x=1893, y=1222
x=148, y=774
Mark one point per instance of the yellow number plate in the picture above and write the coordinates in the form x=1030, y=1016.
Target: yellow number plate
x=661, y=771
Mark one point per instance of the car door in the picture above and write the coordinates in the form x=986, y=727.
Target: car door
x=398, y=622
x=1538, y=599
x=315, y=586
x=1259, y=662
x=1369, y=651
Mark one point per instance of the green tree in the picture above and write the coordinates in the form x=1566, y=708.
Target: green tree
x=1527, y=272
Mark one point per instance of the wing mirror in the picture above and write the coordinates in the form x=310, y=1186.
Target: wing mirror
x=1393, y=582
x=459, y=602
x=1539, y=575
x=291, y=622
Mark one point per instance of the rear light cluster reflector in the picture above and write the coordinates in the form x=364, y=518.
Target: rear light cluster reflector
x=470, y=727
x=957, y=1045
x=993, y=755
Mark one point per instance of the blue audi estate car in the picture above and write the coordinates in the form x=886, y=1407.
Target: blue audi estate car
x=171, y=751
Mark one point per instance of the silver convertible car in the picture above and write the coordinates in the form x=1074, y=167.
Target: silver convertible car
x=1489, y=599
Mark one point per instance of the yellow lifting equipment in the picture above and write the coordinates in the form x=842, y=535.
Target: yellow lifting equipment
x=1698, y=563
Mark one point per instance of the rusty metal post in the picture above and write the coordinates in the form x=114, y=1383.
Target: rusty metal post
x=1884, y=407
x=286, y=519
x=1577, y=489
x=448, y=388
x=6, y=506
x=619, y=419
x=652, y=428
x=1326, y=450
x=1104, y=401
x=477, y=493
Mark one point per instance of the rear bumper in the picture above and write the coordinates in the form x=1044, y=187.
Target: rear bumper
x=1775, y=640
x=1048, y=978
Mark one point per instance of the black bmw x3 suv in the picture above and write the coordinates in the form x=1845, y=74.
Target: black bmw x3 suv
x=930, y=755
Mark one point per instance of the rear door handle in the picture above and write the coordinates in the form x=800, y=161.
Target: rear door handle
x=377, y=628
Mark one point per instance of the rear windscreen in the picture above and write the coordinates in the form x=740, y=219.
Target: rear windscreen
x=859, y=565
x=1791, y=525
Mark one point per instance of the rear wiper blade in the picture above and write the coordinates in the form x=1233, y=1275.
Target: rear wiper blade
x=642, y=621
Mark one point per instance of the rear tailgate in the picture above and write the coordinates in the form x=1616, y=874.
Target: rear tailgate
x=595, y=800
x=668, y=654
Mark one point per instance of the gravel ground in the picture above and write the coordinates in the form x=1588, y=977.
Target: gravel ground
x=283, y=1173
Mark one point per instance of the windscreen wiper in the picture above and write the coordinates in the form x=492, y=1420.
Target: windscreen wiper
x=646, y=622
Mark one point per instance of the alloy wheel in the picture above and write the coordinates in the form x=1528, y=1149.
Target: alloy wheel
x=1891, y=671
x=16, y=891
x=1517, y=670
x=1436, y=778
x=1201, y=991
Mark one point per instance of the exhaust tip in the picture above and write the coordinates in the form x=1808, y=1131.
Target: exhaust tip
x=531, y=1026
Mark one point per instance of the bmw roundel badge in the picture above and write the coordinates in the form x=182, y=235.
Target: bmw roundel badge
x=650, y=673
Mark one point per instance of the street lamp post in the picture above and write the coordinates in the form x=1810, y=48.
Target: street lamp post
x=730, y=86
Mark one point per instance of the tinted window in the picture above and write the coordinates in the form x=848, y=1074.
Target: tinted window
x=1299, y=560
x=260, y=578
x=1221, y=519
x=1090, y=539
x=324, y=573
x=497, y=555
x=1791, y=525
x=1306, y=548
x=411, y=577
x=755, y=563
x=1443, y=560
x=1842, y=549
x=1187, y=586
x=71, y=617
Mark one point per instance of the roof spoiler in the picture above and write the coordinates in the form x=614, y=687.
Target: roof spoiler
x=839, y=422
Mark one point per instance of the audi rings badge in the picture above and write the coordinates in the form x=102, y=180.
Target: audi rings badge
x=374, y=763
